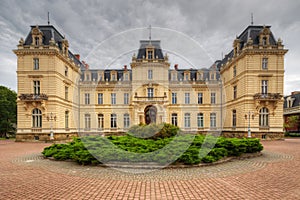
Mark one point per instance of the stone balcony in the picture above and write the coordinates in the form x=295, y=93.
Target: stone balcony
x=267, y=96
x=161, y=99
x=33, y=97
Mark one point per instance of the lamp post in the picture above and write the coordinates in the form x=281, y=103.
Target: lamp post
x=249, y=118
x=51, y=118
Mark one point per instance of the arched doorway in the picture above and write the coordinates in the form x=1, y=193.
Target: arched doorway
x=150, y=114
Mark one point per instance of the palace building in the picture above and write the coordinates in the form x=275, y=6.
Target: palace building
x=60, y=97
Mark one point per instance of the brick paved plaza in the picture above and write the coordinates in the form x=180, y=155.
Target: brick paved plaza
x=26, y=175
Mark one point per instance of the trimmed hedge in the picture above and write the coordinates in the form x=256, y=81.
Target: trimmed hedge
x=186, y=149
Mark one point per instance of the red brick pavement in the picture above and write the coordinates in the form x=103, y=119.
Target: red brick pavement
x=273, y=180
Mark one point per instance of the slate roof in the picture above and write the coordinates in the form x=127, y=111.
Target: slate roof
x=252, y=32
x=157, y=49
x=296, y=102
x=49, y=31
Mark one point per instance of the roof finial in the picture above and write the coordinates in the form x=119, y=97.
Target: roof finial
x=149, y=33
x=48, y=18
x=251, y=18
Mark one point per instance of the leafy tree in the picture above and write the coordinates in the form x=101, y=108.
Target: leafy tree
x=8, y=111
x=291, y=122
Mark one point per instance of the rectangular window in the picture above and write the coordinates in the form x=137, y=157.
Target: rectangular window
x=113, y=121
x=174, y=119
x=126, y=98
x=66, y=92
x=187, y=77
x=113, y=98
x=212, y=76
x=150, y=74
x=187, y=120
x=150, y=56
x=264, y=63
x=126, y=77
x=174, y=78
x=199, y=76
x=87, y=121
x=213, y=98
x=150, y=92
x=67, y=119
x=234, y=71
x=36, y=87
x=174, y=98
x=113, y=77
x=187, y=98
x=234, y=118
x=100, y=98
x=234, y=92
x=200, y=98
x=200, y=120
x=213, y=119
x=36, y=64
x=126, y=120
x=264, y=86
x=100, y=121
x=87, y=77
x=87, y=98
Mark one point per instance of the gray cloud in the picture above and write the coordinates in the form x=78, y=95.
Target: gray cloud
x=213, y=24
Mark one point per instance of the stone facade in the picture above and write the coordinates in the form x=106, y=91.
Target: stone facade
x=56, y=90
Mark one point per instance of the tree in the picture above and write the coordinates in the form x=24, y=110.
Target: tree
x=291, y=122
x=8, y=111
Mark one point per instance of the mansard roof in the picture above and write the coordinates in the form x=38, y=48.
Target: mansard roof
x=253, y=32
x=295, y=96
x=50, y=31
x=157, y=49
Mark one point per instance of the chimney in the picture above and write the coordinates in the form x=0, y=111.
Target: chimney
x=125, y=67
x=176, y=66
x=77, y=56
x=86, y=66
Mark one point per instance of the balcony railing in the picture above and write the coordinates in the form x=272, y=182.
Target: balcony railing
x=267, y=96
x=150, y=99
x=33, y=97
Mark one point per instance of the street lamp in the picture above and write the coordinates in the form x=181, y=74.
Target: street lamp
x=249, y=115
x=51, y=118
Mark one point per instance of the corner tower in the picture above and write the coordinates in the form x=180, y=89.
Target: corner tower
x=46, y=72
x=253, y=74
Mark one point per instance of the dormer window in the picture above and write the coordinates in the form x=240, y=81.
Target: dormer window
x=126, y=77
x=212, y=76
x=113, y=77
x=264, y=41
x=37, y=41
x=150, y=55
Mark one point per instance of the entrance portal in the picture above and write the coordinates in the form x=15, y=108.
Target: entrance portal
x=150, y=114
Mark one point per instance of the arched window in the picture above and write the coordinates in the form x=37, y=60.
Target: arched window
x=264, y=117
x=36, y=118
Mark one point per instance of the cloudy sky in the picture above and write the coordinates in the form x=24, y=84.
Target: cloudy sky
x=107, y=33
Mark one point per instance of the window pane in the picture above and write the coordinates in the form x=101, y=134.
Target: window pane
x=200, y=98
